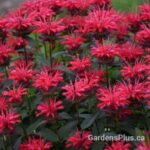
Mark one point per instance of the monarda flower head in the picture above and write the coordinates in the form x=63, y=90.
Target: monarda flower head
x=36, y=144
x=101, y=21
x=132, y=91
x=50, y=108
x=18, y=43
x=143, y=36
x=73, y=42
x=130, y=52
x=5, y=54
x=138, y=71
x=105, y=52
x=111, y=98
x=144, y=12
x=144, y=146
x=4, y=105
x=20, y=23
x=119, y=146
x=46, y=80
x=77, y=90
x=8, y=121
x=21, y=72
x=16, y=94
x=80, y=140
x=80, y=65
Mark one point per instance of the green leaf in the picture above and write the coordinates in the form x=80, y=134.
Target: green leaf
x=89, y=121
x=35, y=125
x=67, y=129
x=48, y=134
x=65, y=115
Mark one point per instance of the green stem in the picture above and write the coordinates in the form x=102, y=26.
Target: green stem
x=50, y=54
x=25, y=55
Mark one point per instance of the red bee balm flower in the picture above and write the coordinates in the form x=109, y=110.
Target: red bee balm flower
x=111, y=99
x=36, y=144
x=4, y=105
x=16, y=94
x=76, y=91
x=119, y=146
x=105, y=51
x=144, y=146
x=50, y=108
x=145, y=15
x=5, y=53
x=21, y=72
x=46, y=81
x=8, y=121
x=137, y=71
x=73, y=42
x=79, y=66
x=80, y=141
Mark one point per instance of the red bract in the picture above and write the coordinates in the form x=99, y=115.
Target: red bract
x=73, y=42
x=111, y=98
x=101, y=20
x=138, y=71
x=4, y=105
x=130, y=52
x=9, y=121
x=16, y=94
x=80, y=65
x=119, y=146
x=105, y=52
x=46, y=81
x=36, y=144
x=21, y=72
x=50, y=108
x=144, y=12
x=5, y=54
x=80, y=140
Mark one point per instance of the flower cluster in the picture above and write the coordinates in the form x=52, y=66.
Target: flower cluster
x=70, y=68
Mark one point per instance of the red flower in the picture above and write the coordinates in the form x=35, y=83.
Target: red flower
x=73, y=42
x=111, y=99
x=50, y=108
x=77, y=4
x=20, y=23
x=80, y=65
x=4, y=105
x=144, y=146
x=36, y=144
x=119, y=146
x=80, y=141
x=18, y=43
x=21, y=72
x=103, y=52
x=8, y=121
x=144, y=12
x=132, y=92
x=5, y=54
x=143, y=36
x=77, y=90
x=134, y=72
x=130, y=52
x=16, y=94
x=133, y=21
x=101, y=2
x=101, y=20
x=46, y=81
x=49, y=28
